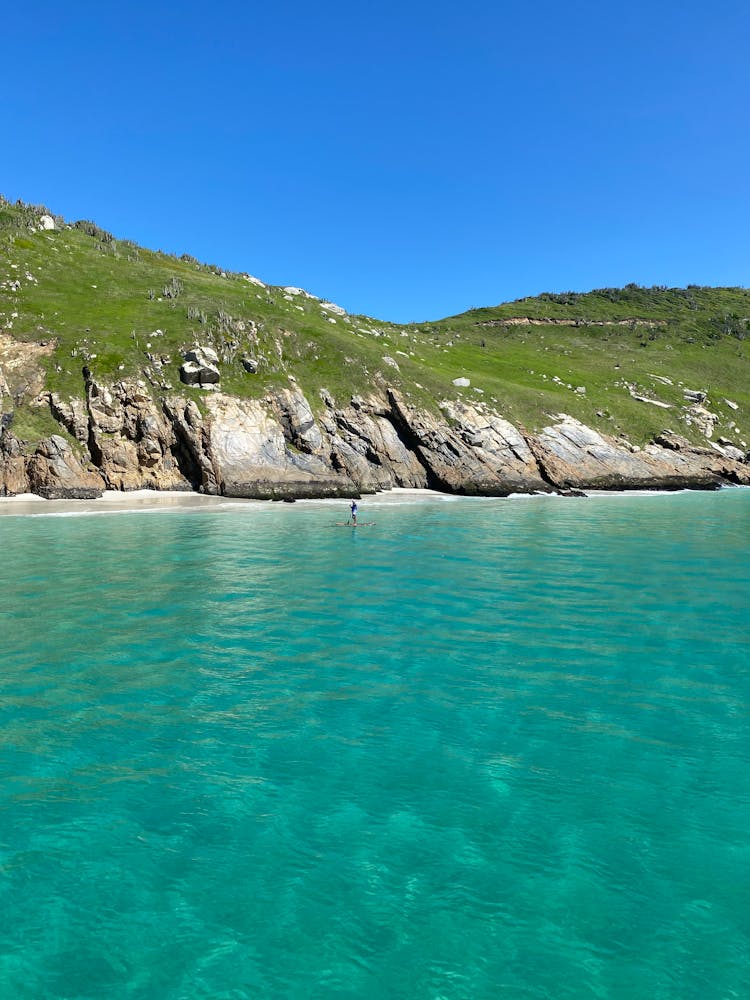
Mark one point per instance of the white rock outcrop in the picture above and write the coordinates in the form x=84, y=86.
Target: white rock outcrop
x=333, y=308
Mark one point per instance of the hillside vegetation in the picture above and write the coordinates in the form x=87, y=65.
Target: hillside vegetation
x=87, y=298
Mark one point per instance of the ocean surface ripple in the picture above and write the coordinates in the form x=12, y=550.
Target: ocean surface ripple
x=480, y=749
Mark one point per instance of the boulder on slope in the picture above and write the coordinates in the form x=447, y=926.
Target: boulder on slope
x=200, y=367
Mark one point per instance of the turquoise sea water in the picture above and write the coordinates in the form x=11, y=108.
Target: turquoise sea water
x=483, y=749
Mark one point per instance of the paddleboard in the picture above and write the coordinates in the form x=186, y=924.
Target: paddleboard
x=359, y=524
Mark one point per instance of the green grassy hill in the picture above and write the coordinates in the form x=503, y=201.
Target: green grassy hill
x=123, y=310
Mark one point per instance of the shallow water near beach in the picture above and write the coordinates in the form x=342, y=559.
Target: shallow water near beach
x=479, y=749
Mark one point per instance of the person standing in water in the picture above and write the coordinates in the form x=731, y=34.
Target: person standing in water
x=353, y=508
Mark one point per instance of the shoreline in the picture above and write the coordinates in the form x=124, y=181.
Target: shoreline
x=154, y=502
x=157, y=501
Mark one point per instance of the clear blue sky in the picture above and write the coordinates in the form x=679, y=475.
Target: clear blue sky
x=408, y=160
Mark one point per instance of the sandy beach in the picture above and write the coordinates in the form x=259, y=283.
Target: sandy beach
x=151, y=501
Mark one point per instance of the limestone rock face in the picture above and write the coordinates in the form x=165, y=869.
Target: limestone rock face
x=13, y=478
x=366, y=447
x=130, y=440
x=726, y=463
x=251, y=457
x=192, y=444
x=499, y=446
x=573, y=456
x=72, y=414
x=455, y=461
x=55, y=473
x=275, y=448
x=296, y=417
x=729, y=450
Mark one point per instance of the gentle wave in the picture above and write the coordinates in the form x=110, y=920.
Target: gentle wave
x=484, y=749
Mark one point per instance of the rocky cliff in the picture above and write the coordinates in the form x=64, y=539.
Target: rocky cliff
x=123, y=437
x=123, y=368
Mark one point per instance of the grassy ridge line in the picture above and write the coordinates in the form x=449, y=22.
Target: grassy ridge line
x=103, y=300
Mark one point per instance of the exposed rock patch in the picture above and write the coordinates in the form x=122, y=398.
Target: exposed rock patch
x=480, y=456
x=574, y=456
x=21, y=374
x=55, y=473
x=277, y=448
x=129, y=438
x=297, y=420
x=702, y=418
x=499, y=446
x=13, y=477
x=252, y=458
x=367, y=448
x=551, y=321
x=647, y=399
x=332, y=307
x=192, y=444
